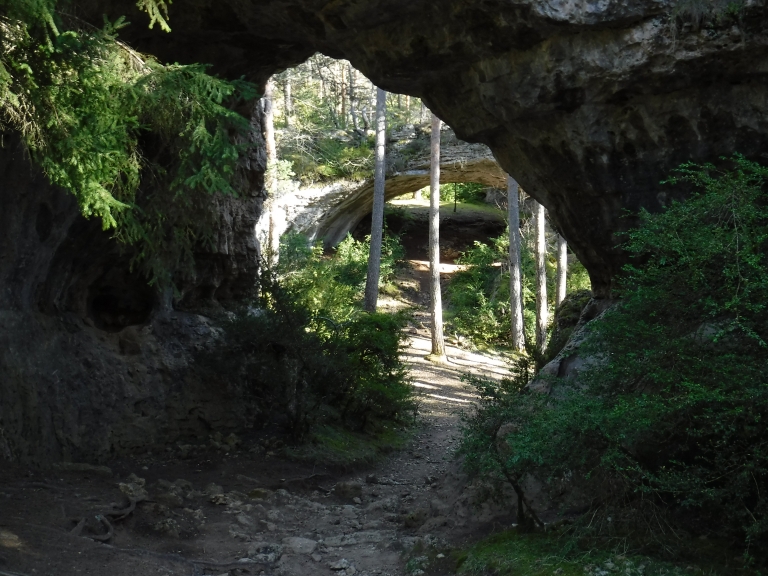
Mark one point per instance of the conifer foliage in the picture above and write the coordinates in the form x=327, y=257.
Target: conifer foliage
x=140, y=144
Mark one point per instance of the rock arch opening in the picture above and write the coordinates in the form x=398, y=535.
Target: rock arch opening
x=589, y=109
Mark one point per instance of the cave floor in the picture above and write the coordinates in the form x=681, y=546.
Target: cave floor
x=247, y=510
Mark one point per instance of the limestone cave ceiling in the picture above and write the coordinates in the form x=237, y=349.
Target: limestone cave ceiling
x=589, y=105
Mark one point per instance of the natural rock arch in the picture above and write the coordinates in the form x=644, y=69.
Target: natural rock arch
x=332, y=228
x=327, y=213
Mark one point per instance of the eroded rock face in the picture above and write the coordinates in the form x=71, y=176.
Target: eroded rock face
x=589, y=105
x=93, y=362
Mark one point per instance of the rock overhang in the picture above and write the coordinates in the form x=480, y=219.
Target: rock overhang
x=589, y=105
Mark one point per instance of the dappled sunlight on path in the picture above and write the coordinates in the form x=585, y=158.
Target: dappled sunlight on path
x=440, y=386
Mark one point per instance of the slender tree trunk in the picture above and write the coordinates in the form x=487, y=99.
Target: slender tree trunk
x=417, y=194
x=273, y=238
x=343, y=99
x=269, y=122
x=541, y=279
x=288, y=98
x=515, y=281
x=352, y=111
x=408, y=109
x=562, y=268
x=322, y=81
x=438, y=341
x=377, y=215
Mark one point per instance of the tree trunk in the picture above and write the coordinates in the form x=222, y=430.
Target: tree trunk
x=541, y=279
x=417, y=194
x=352, y=111
x=515, y=282
x=377, y=215
x=273, y=238
x=288, y=98
x=562, y=268
x=438, y=342
x=269, y=122
x=343, y=99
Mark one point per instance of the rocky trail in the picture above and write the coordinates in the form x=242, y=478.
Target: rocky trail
x=235, y=506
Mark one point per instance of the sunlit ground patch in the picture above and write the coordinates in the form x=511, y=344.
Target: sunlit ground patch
x=9, y=540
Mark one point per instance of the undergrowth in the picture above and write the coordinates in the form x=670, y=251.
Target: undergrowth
x=510, y=553
x=664, y=425
x=478, y=294
x=308, y=354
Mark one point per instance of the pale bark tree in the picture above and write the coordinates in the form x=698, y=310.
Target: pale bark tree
x=436, y=301
x=269, y=121
x=288, y=98
x=541, y=278
x=562, y=268
x=343, y=95
x=273, y=238
x=515, y=281
x=352, y=110
x=377, y=215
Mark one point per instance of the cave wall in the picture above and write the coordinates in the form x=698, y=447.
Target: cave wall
x=94, y=363
x=589, y=105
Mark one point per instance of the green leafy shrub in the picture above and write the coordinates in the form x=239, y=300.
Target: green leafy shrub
x=468, y=192
x=309, y=370
x=478, y=295
x=323, y=158
x=668, y=417
x=307, y=351
x=333, y=285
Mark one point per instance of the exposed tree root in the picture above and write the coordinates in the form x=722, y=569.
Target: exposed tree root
x=116, y=516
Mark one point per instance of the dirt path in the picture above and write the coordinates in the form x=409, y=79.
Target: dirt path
x=219, y=509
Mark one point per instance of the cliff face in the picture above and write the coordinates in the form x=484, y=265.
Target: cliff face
x=94, y=362
x=589, y=105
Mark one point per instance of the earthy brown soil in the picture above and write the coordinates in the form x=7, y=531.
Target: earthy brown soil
x=236, y=506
